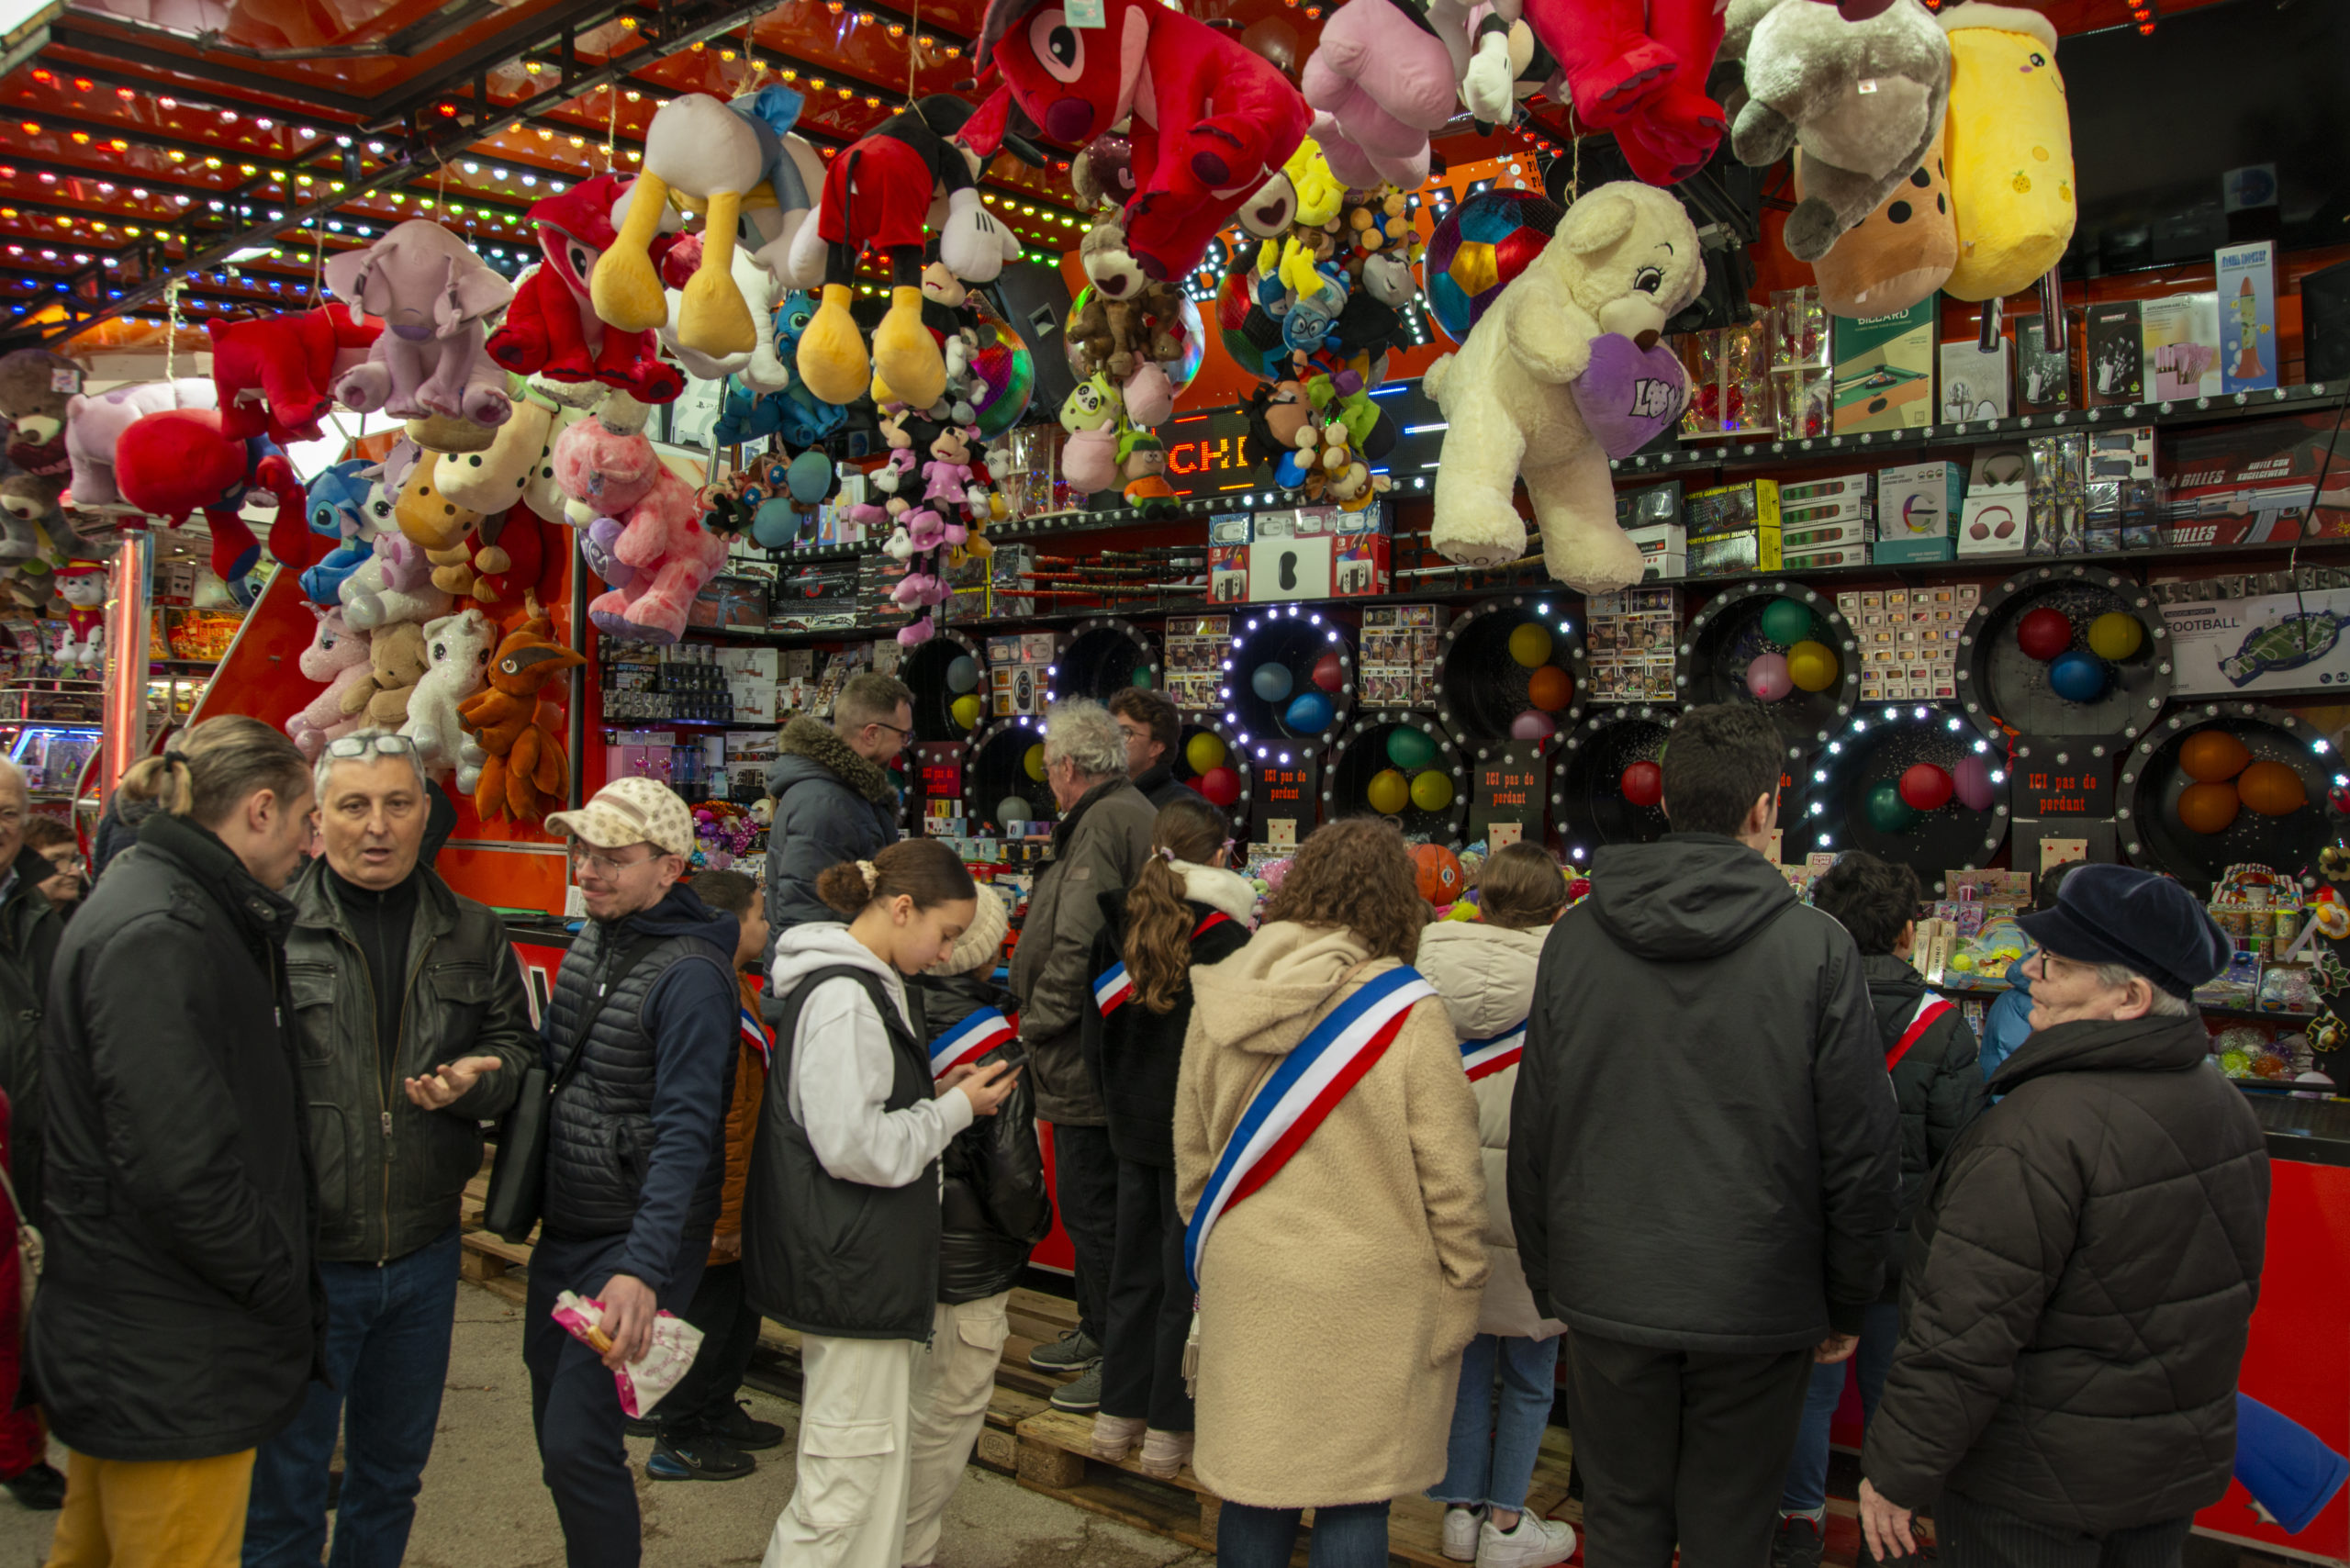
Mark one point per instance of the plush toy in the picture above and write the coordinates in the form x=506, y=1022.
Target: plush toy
x=456, y=657
x=1898, y=255
x=661, y=539
x=1385, y=81
x=175, y=463
x=341, y=506
x=2008, y=146
x=272, y=375
x=494, y=478
x=337, y=657
x=33, y=493
x=1638, y=69
x=428, y=518
x=1563, y=371
x=1864, y=98
x=760, y=367
x=435, y=297
x=510, y=552
x=512, y=759
x=1091, y=414
x=35, y=387
x=394, y=663
x=83, y=584
x=551, y=328
x=1129, y=328
x=94, y=425
x=1216, y=121
x=393, y=585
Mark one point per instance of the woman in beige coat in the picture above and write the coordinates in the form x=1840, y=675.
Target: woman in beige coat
x=1334, y=1301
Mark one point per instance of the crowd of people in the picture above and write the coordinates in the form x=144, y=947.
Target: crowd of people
x=1357, y=1200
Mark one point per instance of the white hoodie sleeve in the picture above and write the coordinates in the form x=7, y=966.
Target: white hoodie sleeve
x=841, y=1074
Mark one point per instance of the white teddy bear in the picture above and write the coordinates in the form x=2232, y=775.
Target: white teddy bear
x=456, y=650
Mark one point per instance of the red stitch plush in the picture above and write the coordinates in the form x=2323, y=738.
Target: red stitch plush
x=1639, y=70
x=177, y=461
x=275, y=375
x=552, y=330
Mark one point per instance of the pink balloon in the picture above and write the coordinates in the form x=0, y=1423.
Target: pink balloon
x=1532, y=725
x=1767, y=678
x=1971, y=781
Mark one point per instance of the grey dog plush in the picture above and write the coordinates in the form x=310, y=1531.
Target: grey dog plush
x=1860, y=85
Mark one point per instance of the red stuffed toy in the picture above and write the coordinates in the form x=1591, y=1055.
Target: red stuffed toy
x=1212, y=119
x=176, y=462
x=274, y=374
x=552, y=330
x=511, y=553
x=1638, y=68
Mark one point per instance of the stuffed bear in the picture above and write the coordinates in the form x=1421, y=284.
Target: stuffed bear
x=2008, y=146
x=35, y=387
x=393, y=585
x=1863, y=98
x=1562, y=371
x=273, y=373
x=336, y=658
x=669, y=556
x=394, y=663
x=456, y=654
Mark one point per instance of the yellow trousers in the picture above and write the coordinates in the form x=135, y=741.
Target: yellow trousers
x=153, y=1514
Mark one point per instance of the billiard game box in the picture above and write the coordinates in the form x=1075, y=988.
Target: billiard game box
x=1885, y=370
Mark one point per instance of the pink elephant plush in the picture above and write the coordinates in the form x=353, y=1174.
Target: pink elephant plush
x=337, y=655
x=435, y=297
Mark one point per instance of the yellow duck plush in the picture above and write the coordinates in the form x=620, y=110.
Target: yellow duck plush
x=2008, y=146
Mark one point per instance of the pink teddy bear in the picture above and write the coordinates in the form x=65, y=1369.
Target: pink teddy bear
x=337, y=655
x=670, y=555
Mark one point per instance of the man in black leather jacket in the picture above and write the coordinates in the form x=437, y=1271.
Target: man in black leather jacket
x=414, y=1029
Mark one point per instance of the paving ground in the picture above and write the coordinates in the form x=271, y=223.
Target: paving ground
x=482, y=1504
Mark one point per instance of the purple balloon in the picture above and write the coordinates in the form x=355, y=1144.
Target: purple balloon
x=1971, y=781
x=1532, y=725
x=1767, y=678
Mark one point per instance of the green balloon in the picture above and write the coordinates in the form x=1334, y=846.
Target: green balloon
x=1888, y=813
x=1785, y=621
x=1141, y=678
x=1408, y=748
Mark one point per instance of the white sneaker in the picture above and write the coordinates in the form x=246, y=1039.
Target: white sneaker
x=1534, y=1542
x=1460, y=1532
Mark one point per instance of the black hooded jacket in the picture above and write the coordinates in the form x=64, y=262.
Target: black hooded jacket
x=1938, y=1084
x=993, y=1208
x=1702, y=1150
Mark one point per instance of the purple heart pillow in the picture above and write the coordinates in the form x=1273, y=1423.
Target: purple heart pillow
x=1627, y=394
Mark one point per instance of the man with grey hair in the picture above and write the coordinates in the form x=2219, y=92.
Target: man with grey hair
x=29, y=932
x=834, y=800
x=415, y=1030
x=2082, y=1275
x=1099, y=846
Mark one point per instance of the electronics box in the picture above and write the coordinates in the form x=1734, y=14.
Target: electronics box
x=1664, y=550
x=1917, y=511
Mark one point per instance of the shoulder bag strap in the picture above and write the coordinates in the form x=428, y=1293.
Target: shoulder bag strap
x=629, y=958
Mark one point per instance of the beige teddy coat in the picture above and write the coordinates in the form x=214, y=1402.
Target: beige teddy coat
x=1335, y=1300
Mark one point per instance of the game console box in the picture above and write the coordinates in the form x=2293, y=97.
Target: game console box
x=1918, y=507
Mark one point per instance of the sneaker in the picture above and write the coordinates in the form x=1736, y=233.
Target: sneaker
x=739, y=1430
x=1533, y=1542
x=1460, y=1532
x=697, y=1456
x=1082, y=1397
x=640, y=1426
x=40, y=1487
x=1165, y=1453
x=1074, y=1352
x=1115, y=1437
x=1799, y=1540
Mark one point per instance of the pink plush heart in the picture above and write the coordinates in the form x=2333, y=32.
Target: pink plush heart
x=1628, y=395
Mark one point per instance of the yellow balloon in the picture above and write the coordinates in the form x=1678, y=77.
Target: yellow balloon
x=1529, y=645
x=1203, y=751
x=967, y=711
x=1033, y=764
x=1812, y=666
x=2116, y=634
x=1388, y=793
x=1432, y=790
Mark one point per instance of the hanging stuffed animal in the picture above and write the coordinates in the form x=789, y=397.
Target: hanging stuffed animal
x=456, y=658
x=428, y=518
x=1894, y=257
x=2008, y=146
x=36, y=386
x=436, y=297
x=273, y=376
x=551, y=328
x=1091, y=414
x=394, y=663
x=336, y=658
x=83, y=585
x=393, y=586
x=669, y=555
x=1637, y=68
x=1130, y=328
x=1383, y=79
x=510, y=760
x=94, y=426
x=341, y=506
x=175, y=463
x=759, y=365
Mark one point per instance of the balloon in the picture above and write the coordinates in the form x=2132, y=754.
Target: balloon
x=2044, y=634
x=1432, y=790
x=1439, y=873
x=1329, y=672
x=1971, y=781
x=1888, y=812
x=967, y=711
x=2116, y=634
x=1551, y=689
x=963, y=675
x=1410, y=748
x=1767, y=676
x=2078, y=677
x=809, y=476
x=2272, y=789
x=1203, y=751
x=1032, y=762
x=2210, y=756
x=1812, y=666
x=1271, y=682
x=1785, y=621
x=1010, y=811
x=2207, y=808
x=1221, y=786
x=1532, y=725
x=1389, y=791
x=1140, y=679
x=1529, y=644
x=1643, y=784
x=1310, y=714
x=1926, y=787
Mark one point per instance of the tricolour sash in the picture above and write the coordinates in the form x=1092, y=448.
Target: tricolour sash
x=1305, y=1087
x=1495, y=1053
x=755, y=1035
x=981, y=1031
x=1930, y=1008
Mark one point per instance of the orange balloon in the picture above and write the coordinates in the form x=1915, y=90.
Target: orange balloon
x=2207, y=808
x=1438, y=871
x=2210, y=756
x=2272, y=789
x=1551, y=689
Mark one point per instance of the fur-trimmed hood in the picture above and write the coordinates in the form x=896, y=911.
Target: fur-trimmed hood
x=809, y=740
x=1229, y=891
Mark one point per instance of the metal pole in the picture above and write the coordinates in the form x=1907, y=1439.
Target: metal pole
x=128, y=614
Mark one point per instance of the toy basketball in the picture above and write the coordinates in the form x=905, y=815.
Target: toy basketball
x=2271, y=789
x=1643, y=784
x=2044, y=634
x=1203, y=751
x=1389, y=791
x=2207, y=808
x=2210, y=755
x=1439, y=873
x=1007, y=371
x=1551, y=689
x=1432, y=790
x=2116, y=634
x=1529, y=644
x=1220, y=787
x=1478, y=247
x=1812, y=666
x=1926, y=788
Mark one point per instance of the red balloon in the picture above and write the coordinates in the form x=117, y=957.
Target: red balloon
x=2044, y=634
x=1925, y=788
x=1643, y=784
x=1329, y=672
x=1221, y=786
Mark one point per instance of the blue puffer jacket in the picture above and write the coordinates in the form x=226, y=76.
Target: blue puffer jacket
x=2009, y=1024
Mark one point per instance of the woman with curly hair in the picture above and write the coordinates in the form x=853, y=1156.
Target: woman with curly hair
x=1338, y=1292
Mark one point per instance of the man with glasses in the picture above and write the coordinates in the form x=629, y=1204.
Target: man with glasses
x=415, y=1029
x=834, y=801
x=29, y=932
x=1153, y=729
x=646, y=1002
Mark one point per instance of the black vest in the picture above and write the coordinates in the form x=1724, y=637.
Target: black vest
x=601, y=1142
x=831, y=1257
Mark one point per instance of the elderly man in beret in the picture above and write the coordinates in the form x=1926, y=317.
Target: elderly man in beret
x=2083, y=1273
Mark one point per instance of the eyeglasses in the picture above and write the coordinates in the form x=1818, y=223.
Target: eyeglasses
x=894, y=728
x=360, y=746
x=603, y=864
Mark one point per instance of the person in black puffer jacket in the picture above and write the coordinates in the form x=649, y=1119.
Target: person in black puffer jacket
x=2082, y=1280
x=1938, y=1085
x=1185, y=910
x=994, y=1209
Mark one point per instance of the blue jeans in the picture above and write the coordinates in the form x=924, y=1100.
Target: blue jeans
x=387, y=1355
x=1489, y=1459
x=1806, y=1486
x=1352, y=1535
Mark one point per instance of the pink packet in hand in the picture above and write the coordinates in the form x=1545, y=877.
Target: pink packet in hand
x=645, y=1381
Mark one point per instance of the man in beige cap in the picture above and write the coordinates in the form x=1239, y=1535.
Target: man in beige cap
x=640, y=1036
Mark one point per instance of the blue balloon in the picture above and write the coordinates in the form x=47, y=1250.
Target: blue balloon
x=2078, y=677
x=1310, y=714
x=1271, y=682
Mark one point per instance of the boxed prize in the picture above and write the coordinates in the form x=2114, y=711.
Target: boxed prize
x=2181, y=341
x=1885, y=370
x=2059, y=495
x=1917, y=511
x=1651, y=518
x=2043, y=383
x=2261, y=482
x=2247, y=295
x=1631, y=636
x=1998, y=502
x=1733, y=529
x=2114, y=354
x=1974, y=384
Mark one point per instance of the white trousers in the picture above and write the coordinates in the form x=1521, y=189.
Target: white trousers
x=952, y=1387
x=856, y=1406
